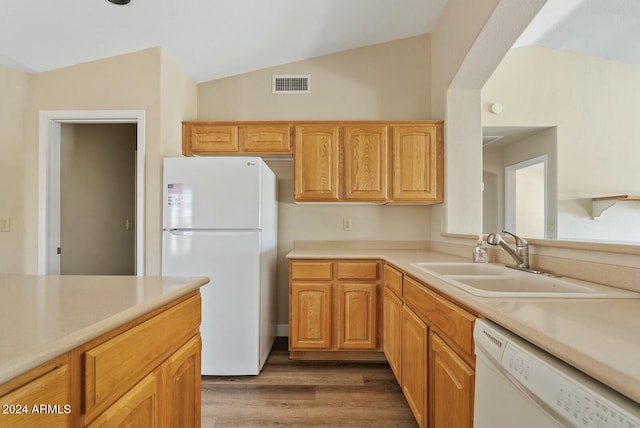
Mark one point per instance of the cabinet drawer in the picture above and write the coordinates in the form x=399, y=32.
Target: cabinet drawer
x=310, y=270
x=212, y=138
x=265, y=138
x=393, y=279
x=367, y=270
x=454, y=322
x=112, y=368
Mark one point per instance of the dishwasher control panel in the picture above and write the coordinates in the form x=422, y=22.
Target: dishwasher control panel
x=569, y=393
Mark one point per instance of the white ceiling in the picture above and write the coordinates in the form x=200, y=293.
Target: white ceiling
x=210, y=39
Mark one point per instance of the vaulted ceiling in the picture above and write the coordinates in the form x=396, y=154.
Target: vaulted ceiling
x=211, y=39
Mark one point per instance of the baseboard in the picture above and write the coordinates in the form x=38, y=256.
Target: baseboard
x=282, y=330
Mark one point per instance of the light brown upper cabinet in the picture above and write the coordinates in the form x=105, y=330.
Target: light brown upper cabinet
x=365, y=151
x=418, y=163
x=234, y=138
x=338, y=161
x=376, y=162
x=316, y=163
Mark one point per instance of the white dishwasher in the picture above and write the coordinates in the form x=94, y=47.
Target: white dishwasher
x=520, y=385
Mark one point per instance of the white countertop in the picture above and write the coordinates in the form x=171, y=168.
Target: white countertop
x=42, y=317
x=601, y=337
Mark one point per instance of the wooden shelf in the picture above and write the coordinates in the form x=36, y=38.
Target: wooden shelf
x=603, y=203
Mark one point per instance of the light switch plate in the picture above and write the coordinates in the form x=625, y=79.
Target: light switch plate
x=5, y=223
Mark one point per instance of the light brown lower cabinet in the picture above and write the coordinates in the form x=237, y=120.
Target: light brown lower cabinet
x=145, y=373
x=357, y=323
x=436, y=361
x=392, y=331
x=451, y=386
x=138, y=407
x=48, y=384
x=334, y=307
x=310, y=324
x=415, y=340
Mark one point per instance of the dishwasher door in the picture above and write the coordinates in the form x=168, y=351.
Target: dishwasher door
x=500, y=403
x=519, y=385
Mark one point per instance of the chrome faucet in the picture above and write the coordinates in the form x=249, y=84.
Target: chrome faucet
x=521, y=253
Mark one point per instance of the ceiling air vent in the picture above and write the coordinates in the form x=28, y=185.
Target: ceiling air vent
x=298, y=84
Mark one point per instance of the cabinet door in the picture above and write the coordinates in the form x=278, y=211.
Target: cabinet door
x=209, y=139
x=451, y=387
x=357, y=327
x=265, y=139
x=137, y=408
x=365, y=163
x=51, y=390
x=310, y=315
x=181, y=386
x=414, y=364
x=316, y=163
x=392, y=331
x=418, y=163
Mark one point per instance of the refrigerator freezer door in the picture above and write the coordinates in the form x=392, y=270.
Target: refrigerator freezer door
x=230, y=303
x=211, y=193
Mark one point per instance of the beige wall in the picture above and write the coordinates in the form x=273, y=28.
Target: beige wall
x=451, y=41
x=325, y=222
x=146, y=80
x=495, y=157
x=468, y=42
x=595, y=105
x=384, y=81
x=13, y=86
x=178, y=102
x=97, y=199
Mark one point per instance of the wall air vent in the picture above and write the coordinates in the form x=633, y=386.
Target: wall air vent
x=288, y=84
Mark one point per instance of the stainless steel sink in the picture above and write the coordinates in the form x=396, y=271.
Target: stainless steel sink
x=492, y=280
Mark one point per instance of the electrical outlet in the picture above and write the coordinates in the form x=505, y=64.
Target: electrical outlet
x=5, y=223
x=347, y=224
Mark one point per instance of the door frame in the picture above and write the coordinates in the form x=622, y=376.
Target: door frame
x=50, y=122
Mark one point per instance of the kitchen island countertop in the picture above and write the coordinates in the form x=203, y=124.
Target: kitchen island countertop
x=42, y=317
x=598, y=336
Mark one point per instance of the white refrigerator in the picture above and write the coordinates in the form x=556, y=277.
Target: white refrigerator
x=220, y=221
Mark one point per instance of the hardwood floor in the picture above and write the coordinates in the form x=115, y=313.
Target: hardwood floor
x=306, y=394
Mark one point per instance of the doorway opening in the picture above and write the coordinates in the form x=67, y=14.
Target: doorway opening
x=526, y=197
x=49, y=215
